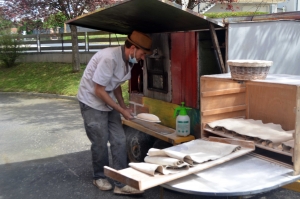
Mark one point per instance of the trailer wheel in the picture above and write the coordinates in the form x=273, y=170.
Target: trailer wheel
x=160, y=144
x=138, y=144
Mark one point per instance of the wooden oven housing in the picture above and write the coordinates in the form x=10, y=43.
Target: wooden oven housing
x=274, y=100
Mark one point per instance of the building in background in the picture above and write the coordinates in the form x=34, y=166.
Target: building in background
x=270, y=6
x=289, y=6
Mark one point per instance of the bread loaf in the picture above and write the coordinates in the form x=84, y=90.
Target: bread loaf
x=148, y=117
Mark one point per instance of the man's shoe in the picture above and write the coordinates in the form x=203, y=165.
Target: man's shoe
x=102, y=184
x=127, y=190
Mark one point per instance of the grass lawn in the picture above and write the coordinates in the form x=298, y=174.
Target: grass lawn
x=54, y=78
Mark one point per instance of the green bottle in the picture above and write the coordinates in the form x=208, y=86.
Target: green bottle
x=182, y=120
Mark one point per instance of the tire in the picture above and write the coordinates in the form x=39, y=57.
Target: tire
x=160, y=144
x=138, y=144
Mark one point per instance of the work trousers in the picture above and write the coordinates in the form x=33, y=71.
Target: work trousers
x=102, y=127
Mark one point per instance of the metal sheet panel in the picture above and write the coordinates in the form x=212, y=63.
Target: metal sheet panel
x=149, y=16
x=277, y=41
x=246, y=175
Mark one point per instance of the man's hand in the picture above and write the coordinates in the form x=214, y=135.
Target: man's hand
x=127, y=114
x=121, y=108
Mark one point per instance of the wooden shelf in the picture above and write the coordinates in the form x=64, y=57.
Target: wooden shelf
x=221, y=133
x=157, y=130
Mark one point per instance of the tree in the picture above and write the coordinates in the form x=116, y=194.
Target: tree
x=43, y=9
x=56, y=20
x=194, y=3
x=28, y=25
x=5, y=24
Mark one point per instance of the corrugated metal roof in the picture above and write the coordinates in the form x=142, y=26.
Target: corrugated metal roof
x=149, y=16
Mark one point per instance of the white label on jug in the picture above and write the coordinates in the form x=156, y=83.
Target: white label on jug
x=183, y=127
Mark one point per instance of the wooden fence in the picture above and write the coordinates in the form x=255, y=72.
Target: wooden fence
x=61, y=42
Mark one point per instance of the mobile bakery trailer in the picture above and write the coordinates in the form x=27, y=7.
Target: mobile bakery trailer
x=187, y=47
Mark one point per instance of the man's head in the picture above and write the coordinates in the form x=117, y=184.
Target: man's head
x=138, y=45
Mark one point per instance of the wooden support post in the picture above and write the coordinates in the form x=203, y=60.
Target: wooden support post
x=216, y=46
x=38, y=42
x=161, y=193
x=87, y=41
x=62, y=42
x=226, y=49
x=296, y=158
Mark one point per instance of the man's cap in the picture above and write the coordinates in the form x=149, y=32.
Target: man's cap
x=141, y=41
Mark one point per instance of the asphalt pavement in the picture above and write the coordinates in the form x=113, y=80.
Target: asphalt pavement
x=44, y=153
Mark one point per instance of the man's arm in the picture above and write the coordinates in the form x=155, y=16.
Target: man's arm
x=119, y=96
x=102, y=94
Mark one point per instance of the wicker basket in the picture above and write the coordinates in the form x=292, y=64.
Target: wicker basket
x=249, y=69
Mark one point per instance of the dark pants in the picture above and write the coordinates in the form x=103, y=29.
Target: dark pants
x=101, y=127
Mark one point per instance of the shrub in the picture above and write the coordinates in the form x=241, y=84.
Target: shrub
x=10, y=49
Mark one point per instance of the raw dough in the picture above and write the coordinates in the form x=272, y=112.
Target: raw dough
x=147, y=116
x=255, y=128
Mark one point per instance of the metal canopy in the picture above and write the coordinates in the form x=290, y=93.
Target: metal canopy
x=149, y=16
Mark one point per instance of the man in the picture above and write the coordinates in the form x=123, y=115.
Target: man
x=99, y=89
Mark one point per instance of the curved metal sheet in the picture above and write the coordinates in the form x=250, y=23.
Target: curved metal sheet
x=149, y=16
x=243, y=176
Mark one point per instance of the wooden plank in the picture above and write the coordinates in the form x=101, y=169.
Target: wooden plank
x=78, y=34
x=81, y=41
x=143, y=181
x=98, y=47
x=29, y=47
x=28, y=42
x=184, y=69
x=114, y=39
x=211, y=118
x=176, y=63
x=99, y=40
x=212, y=84
x=60, y=48
x=58, y=41
x=130, y=180
x=279, y=79
x=272, y=104
x=247, y=104
x=222, y=101
x=190, y=77
x=296, y=156
x=223, y=110
x=98, y=33
x=153, y=126
x=221, y=133
x=105, y=40
x=226, y=49
x=295, y=186
x=216, y=46
x=223, y=92
x=159, y=131
x=25, y=36
x=244, y=143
